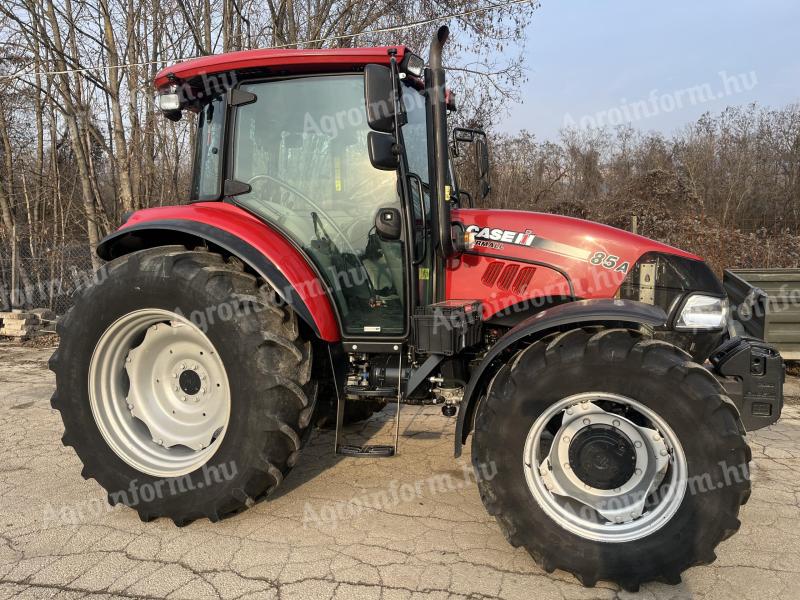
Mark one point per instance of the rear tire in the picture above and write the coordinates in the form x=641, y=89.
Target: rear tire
x=654, y=375
x=266, y=363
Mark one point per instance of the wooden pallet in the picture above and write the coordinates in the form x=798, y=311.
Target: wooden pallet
x=19, y=324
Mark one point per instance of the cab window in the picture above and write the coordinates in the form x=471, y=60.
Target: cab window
x=302, y=149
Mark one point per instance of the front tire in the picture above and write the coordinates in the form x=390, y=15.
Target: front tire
x=598, y=400
x=184, y=386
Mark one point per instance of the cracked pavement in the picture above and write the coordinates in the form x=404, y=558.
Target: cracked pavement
x=60, y=539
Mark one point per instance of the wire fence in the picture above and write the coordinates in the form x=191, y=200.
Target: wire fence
x=47, y=280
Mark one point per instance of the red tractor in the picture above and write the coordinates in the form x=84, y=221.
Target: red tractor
x=328, y=263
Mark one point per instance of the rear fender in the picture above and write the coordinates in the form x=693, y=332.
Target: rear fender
x=579, y=313
x=262, y=248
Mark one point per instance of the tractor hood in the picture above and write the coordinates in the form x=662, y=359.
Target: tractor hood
x=522, y=255
x=566, y=236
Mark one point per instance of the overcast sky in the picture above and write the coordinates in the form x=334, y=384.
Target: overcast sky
x=657, y=64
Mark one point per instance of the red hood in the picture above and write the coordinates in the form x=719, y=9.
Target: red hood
x=587, y=236
x=522, y=255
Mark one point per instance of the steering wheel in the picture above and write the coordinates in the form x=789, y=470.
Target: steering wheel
x=318, y=211
x=309, y=201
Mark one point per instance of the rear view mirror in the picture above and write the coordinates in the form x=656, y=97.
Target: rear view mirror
x=379, y=95
x=461, y=134
x=382, y=154
x=388, y=224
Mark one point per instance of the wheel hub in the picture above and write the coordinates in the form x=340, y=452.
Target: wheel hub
x=190, y=382
x=597, y=475
x=173, y=377
x=602, y=457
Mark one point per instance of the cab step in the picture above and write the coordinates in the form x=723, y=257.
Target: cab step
x=354, y=393
x=370, y=451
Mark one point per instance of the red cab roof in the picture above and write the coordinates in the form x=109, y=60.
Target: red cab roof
x=280, y=60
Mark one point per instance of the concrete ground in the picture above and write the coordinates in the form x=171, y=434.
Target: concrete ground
x=433, y=539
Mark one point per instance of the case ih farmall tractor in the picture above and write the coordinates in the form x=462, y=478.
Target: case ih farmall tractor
x=327, y=264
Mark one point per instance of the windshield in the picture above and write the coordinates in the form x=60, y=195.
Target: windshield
x=302, y=149
x=415, y=133
x=415, y=141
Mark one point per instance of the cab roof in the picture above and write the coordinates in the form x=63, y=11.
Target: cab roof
x=278, y=61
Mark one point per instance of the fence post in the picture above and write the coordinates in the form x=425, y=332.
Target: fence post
x=14, y=279
x=635, y=224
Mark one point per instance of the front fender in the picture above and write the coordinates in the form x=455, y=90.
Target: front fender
x=261, y=247
x=582, y=312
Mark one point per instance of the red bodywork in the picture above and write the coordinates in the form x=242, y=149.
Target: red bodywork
x=494, y=277
x=563, y=245
x=272, y=244
x=283, y=60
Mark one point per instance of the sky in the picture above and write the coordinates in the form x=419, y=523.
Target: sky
x=655, y=65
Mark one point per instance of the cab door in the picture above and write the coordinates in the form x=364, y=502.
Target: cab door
x=301, y=150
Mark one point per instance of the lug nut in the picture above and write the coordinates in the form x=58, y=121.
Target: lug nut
x=615, y=423
x=637, y=444
x=569, y=411
x=663, y=452
x=638, y=471
x=566, y=439
x=586, y=421
x=567, y=467
x=656, y=437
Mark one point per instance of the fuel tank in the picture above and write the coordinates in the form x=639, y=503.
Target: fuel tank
x=524, y=258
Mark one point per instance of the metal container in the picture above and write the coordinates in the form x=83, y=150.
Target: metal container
x=767, y=304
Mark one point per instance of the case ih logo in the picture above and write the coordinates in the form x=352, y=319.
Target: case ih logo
x=520, y=238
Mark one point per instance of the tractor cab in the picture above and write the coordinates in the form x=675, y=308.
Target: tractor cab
x=338, y=161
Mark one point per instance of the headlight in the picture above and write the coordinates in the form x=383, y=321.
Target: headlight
x=413, y=64
x=169, y=102
x=702, y=312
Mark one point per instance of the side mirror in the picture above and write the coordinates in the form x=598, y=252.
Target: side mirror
x=388, y=224
x=382, y=154
x=379, y=95
x=482, y=157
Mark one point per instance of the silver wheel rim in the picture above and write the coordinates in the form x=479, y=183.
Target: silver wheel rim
x=159, y=393
x=635, y=509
